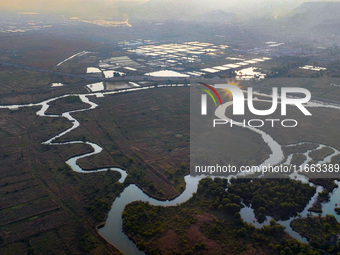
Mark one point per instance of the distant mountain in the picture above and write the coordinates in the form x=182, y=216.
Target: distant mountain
x=311, y=14
x=199, y=10
x=189, y=9
x=321, y=10
x=218, y=16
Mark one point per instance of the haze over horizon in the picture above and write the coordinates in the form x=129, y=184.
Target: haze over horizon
x=103, y=7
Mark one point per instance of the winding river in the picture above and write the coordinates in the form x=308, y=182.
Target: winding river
x=112, y=230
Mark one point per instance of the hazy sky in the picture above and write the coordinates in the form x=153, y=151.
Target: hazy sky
x=68, y=7
x=95, y=7
x=60, y=4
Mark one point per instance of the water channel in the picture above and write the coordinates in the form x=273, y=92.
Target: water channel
x=112, y=230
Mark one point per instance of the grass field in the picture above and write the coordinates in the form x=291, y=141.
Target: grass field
x=42, y=200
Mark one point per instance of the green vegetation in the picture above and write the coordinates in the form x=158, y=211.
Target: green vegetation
x=66, y=104
x=320, y=231
x=329, y=185
x=298, y=159
x=279, y=198
x=99, y=206
x=150, y=222
x=209, y=223
x=88, y=242
x=214, y=190
x=320, y=154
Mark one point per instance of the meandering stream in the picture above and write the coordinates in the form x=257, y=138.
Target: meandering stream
x=112, y=229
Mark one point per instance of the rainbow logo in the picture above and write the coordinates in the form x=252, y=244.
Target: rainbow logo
x=209, y=93
x=204, y=97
